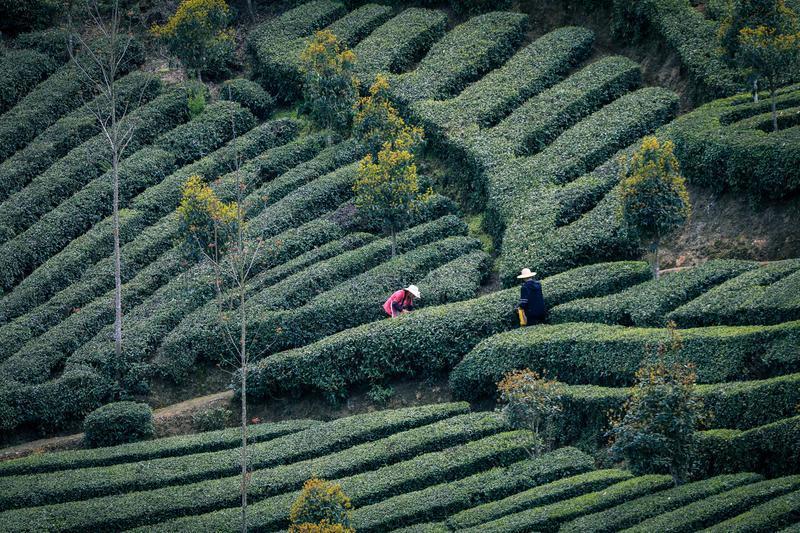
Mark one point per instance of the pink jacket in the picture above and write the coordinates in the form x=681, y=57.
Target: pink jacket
x=398, y=301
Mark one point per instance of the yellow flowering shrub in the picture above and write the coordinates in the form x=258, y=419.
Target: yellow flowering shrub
x=321, y=507
x=206, y=221
x=376, y=120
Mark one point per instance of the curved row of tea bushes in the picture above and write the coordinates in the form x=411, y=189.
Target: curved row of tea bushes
x=268, y=40
x=531, y=70
x=82, y=280
x=146, y=167
x=352, y=302
x=51, y=42
x=21, y=71
x=423, y=342
x=462, y=56
x=441, y=500
x=267, y=485
x=182, y=445
x=284, y=64
x=718, y=151
x=693, y=38
x=135, y=89
x=201, y=332
x=575, y=152
x=777, y=512
x=550, y=517
x=248, y=94
x=648, y=304
x=64, y=91
x=770, y=449
x=449, y=422
x=768, y=295
x=714, y=509
x=631, y=513
x=396, y=44
x=86, y=162
x=599, y=354
x=737, y=404
x=458, y=280
x=539, y=120
x=370, y=487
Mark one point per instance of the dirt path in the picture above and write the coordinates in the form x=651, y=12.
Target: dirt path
x=170, y=420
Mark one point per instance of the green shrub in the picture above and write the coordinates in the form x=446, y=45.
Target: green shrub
x=208, y=441
x=133, y=90
x=84, y=163
x=377, y=444
x=59, y=94
x=463, y=55
x=397, y=43
x=775, y=513
x=472, y=7
x=527, y=73
x=457, y=280
x=248, y=94
x=648, y=304
x=370, y=487
x=719, y=150
x=21, y=71
x=420, y=343
x=631, y=513
x=549, y=517
x=770, y=449
x=719, y=507
x=51, y=42
x=118, y=423
x=601, y=354
x=445, y=499
x=268, y=40
x=767, y=295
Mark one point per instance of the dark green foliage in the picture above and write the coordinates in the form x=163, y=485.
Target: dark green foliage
x=602, y=355
x=458, y=280
x=20, y=71
x=718, y=151
x=463, y=55
x=441, y=500
x=767, y=295
x=549, y=517
x=118, y=423
x=501, y=91
x=16, y=16
x=62, y=92
x=423, y=342
x=631, y=513
x=396, y=44
x=473, y=7
x=135, y=89
x=770, y=449
x=649, y=303
x=52, y=42
x=772, y=514
x=714, y=509
x=166, y=447
x=249, y=95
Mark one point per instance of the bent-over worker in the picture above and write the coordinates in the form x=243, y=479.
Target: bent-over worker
x=531, y=300
x=401, y=301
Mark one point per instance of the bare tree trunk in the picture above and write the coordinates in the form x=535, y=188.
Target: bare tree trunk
x=250, y=11
x=243, y=347
x=117, y=268
x=755, y=90
x=656, y=266
x=772, y=105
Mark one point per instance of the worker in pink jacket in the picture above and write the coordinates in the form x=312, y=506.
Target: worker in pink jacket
x=401, y=301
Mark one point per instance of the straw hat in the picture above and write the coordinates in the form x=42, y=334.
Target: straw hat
x=413, y=289
x=526, y=273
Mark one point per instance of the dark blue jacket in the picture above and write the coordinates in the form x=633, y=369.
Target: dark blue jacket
x=532, y=300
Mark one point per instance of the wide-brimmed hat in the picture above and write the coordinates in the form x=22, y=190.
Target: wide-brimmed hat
x=413, y=289
x=526, y=273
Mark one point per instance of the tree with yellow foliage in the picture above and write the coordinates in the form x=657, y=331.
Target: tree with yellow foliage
x=376, y=120
x=322, y=507
x=387, y=186
x=330, y=88
x=196, y=33
x=654, y=198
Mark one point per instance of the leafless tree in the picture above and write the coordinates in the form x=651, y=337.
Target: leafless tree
x=100, y=62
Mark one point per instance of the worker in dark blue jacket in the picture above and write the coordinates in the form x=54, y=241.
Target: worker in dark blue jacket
x=531, y=301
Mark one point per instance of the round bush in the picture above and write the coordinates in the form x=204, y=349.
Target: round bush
x=118, y=423
x=248, y=94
